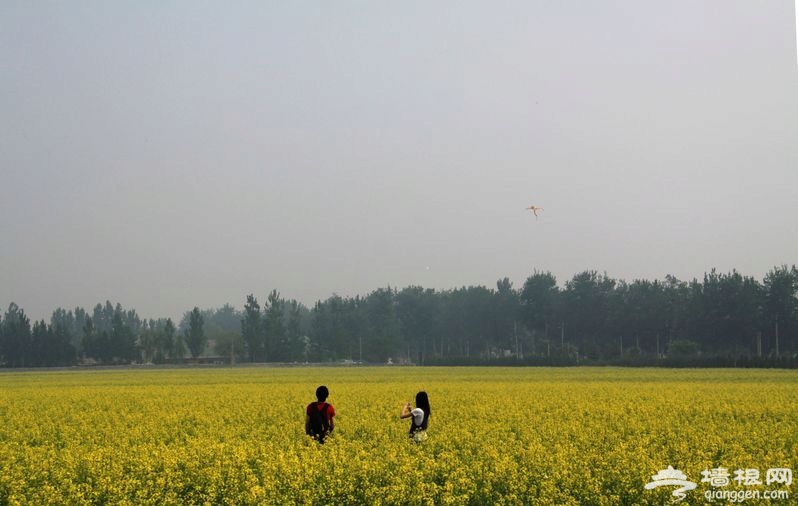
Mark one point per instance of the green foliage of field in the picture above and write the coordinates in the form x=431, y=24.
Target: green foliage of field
x=497, y=435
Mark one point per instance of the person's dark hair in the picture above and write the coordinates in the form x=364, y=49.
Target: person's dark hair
x=322, y=393
x=422, y=401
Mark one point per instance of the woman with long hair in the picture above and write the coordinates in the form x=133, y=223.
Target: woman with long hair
x=420, y=417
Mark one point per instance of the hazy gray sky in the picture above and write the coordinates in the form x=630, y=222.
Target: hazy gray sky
x=180, y=153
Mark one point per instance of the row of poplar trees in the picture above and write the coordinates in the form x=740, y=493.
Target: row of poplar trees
x=591, y=317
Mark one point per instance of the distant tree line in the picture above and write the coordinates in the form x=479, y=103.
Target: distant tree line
x=724, y=319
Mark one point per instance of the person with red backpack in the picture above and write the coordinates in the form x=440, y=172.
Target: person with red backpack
x=319, y=416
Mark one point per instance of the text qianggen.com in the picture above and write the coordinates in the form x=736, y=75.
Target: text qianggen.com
x=739, y=496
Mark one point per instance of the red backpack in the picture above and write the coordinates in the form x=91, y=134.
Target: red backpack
x=319, y=424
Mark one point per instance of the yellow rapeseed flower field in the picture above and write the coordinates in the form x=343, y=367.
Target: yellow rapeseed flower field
x=564, y=436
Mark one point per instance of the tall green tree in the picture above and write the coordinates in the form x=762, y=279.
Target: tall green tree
x=67, y=324
x=50, y=346
x=781, y=308
x=296, y=339
x=468, y=328
x=419, y=317
x=148, y=340
x=587, y=300
x=16, y=336
x=252, y=330
x=89, y=341
x=640, y=319
x=122, y=337
x=340, y=328
x=742, y=299
x=276, y=340
x=168, y=341
x=195, y=334
x=218, y=323
x=675, y=308
x=384, y=338
x=60, y=349
x=540, y=301
x=76, y=332
x=505, y=316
